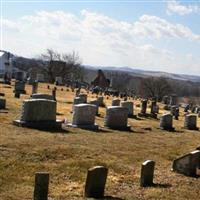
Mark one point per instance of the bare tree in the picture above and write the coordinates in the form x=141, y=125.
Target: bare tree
x=155, y=87
x=56, y=64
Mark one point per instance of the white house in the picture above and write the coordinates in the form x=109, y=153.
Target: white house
x=5, y=64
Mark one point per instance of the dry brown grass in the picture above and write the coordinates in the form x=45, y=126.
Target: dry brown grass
x=67, y=156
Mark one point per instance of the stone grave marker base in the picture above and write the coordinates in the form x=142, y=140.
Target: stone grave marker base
x=93, y=127
x=39, y=124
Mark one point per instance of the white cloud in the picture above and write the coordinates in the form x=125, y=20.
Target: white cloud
x=99, y=39
x=177, y=7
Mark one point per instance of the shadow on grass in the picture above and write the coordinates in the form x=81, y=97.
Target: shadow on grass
x=110, y=198
x=161, y=185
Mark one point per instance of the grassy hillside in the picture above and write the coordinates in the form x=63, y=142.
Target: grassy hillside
x=67, y=155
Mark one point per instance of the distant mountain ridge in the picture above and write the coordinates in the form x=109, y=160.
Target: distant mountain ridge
x=146, y=73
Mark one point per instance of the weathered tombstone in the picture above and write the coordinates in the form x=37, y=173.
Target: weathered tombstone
x=95, y=182
x=38, y=113
x=83, y=97
x=34, y=87
x=115, y=102
x=199, y=114
x=42, y=96
x=116, y=118
x=84, y=116
x=129, y=106
x=144, y=106
x=2, y=103
x=147, y=173
x=187, y=164
x=19, y=87
x=173, y=100
x=190, y=122
x=41, y=186
x=100, y=100
x=153, y=109
x=166, y=122
x=96, y=103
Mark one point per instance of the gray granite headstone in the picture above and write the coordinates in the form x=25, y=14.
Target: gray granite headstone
x=41, y=186
x=116, y=117
x=84, y=116
x=144, y=106
x=38, y=110
x=166, y=122
x=190, y=122
x=19, y=87
x=187, y=164
x=95, y=182
x=147, y=173
x=42, y=96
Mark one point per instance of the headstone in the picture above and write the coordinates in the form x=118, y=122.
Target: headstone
x=166, y=122
x=2, y=103
x=95, y=182
x=84, y=116
x=35, y=87
x=42, y=96
x=199, y=114
x=96, y=103
x=38, y=113
x=100, y=100
x=187, y=164
x=83, y=97
x=129, y=106
x=19, y=87
x=144, y=106
x=191, y=122
x=147, y=173
x=116, y=118
x=173, y=100
x=116, y=102
x=41, y=186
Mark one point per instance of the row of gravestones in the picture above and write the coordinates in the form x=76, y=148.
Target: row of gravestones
x=95, y=181
x=40, y=111
x=188, y=165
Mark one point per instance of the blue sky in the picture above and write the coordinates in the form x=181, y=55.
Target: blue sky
x=150, y=35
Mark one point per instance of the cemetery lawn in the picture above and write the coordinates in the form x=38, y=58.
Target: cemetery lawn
x=67, y=155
